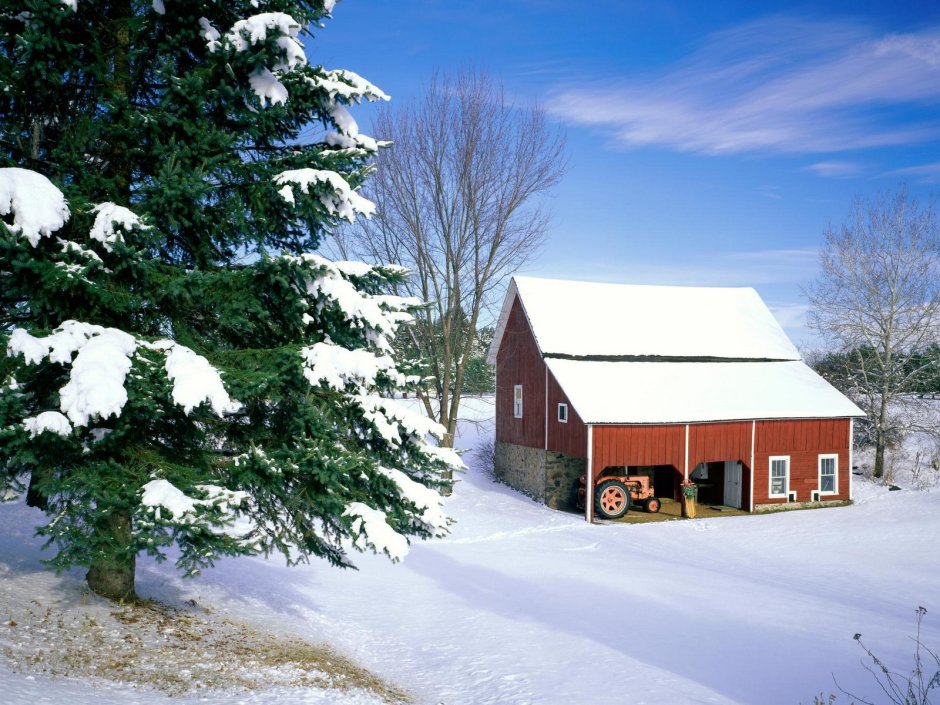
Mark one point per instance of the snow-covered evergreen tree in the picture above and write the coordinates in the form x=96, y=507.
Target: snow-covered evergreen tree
x=178, y=368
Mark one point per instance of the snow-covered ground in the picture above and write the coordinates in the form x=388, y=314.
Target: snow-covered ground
x=522, y=604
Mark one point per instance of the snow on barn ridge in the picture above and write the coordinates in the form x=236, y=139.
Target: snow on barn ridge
x=590, y=319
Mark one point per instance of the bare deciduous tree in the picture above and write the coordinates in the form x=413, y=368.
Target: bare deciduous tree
x=459, y=204
x=878, y=299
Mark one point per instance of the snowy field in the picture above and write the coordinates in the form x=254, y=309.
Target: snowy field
x=522, y=604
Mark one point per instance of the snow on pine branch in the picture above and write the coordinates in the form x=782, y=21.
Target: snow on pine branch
x=379, y=315
x=359, y=143
x=344, y=120
x=246, y=33
x=159, y=495
x=372, y=530
x=47, y=421
x=69, y=247
x=100, y=359
x=267, y=87
x=348, y=85
x=424, y=498
x=37, y=206
x=338, y=198
x=108, y=216
x=336, y=366
x=388, y=416
x=255, y=30
x=343, y=86
x=194, y=380
x=39, y=209
x=96, y=380
x=448, y=456
x=209, y=33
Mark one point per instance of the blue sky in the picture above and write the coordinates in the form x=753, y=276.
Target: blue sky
x=709, y=143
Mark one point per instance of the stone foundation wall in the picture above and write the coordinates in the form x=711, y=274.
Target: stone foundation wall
x=522, y=468
x=561, y=479
x=792, y=506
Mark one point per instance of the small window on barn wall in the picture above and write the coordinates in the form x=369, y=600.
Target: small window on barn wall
x=828, y=474
x=779, y=475
x=563, y=413
x=517, y=401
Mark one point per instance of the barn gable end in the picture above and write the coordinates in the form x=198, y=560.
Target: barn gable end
x=535, y=453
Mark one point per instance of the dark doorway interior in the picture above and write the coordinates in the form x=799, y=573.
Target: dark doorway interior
x=666, y=481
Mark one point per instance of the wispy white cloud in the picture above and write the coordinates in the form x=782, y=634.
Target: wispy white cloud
x=779, y=84
x=769, y=191
x=925, y=173
x=835, y=169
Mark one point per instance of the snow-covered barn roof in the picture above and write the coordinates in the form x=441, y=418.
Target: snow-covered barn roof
x=592, y=320
x=687, y=392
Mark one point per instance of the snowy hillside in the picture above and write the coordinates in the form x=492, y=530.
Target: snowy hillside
x=525, y=605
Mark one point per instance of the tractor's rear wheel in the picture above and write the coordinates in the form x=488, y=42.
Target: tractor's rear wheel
x=652, y=505
x=611, y=499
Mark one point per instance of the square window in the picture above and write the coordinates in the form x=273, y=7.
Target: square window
x=563, y=413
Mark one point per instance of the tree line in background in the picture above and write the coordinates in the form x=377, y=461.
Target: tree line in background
x=479, y=376
x=876, y=303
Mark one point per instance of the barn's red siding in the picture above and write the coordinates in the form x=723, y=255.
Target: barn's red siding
x=568, y=438
x=803, y=441
x=711, y=442
x=518, y=361
x=639, y=445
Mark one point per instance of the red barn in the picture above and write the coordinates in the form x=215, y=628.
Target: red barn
x=668, y=382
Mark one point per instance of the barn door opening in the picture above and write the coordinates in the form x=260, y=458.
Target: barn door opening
x=733, y=483
x=720, y=483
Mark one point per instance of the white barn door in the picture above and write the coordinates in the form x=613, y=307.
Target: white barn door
x=733, y=483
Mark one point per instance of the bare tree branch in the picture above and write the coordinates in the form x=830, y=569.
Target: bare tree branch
x=458, y=201
x=877, y=300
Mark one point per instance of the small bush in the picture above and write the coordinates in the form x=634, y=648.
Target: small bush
x=485, y=454
x=898, y=688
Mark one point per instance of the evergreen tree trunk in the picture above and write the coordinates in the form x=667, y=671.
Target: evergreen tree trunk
x=34, y=496
x=111, y=574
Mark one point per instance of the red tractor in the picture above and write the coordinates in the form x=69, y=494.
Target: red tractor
x=615, y=492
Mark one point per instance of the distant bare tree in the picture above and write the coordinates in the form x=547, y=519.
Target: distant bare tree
x=458, y=204
x=877, y=299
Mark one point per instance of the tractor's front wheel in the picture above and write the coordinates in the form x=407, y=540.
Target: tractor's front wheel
x=652, y=505
x=611, y=499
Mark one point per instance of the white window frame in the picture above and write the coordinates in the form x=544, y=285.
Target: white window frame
x=835, y=474
x=517, y=401
x=562, y=412
x=770, y=477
